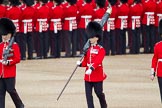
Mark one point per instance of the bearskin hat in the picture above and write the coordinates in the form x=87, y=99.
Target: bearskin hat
x=94, y=29
x=100, y=3
x=6, y=26
x=29, y=2
x=58, y=1
x=124, y=1
x=112, y=2
x=88, y=1
x=72, y=2
x=44, y=1
x=137, y=1
x=14, y=2
x=1, y=1
x=160, y=27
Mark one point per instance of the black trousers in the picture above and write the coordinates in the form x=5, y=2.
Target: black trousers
x=121, y=41
x=26, y=40
x=8, y=84
x=55, y=44
x=149, y=38
x=43, y=40
x=70, y=39
x=160, y=86
x=134, y=36
x=109, y=42
x=98, y=88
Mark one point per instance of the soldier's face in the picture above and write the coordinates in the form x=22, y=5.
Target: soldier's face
x=6, y=38
x=93, y=40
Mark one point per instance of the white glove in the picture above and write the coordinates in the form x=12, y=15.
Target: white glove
x=109, y=10
x=78, y=63
x=5, y=62
x=88, y=72
x=152, y=75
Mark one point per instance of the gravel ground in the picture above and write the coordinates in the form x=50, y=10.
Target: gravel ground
x=39, y=83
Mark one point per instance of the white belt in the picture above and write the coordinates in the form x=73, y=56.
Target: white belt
x=133, y=21
x=25, y=25
x=149, y=13
x=122, y=17
x=55, y=24
x=87, y=19
x=15, y=21
x=86, y=16
x=159, y=60
x=111, y=19
x=70, y=18
x=41, y=20
x=27, y=20
x=40, y=23
x=160, y=16
x=108, y=24
x=136, y=17
x=56, y=20
x=148, y=17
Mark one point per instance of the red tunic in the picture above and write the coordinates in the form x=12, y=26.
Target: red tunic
x=42, y=17
x=14, y=13
x=56, y=16
x=94, y=58
x=85, y=15
x=149, y=8
x=122, y=16
x=27, y=19
x=135, y=14
x=157, y=59
x=70, y=16
x=9, y=70
x=158, y=14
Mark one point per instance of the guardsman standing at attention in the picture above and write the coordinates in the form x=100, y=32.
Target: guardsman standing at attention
x=70, y=28
x=42, y=18
x=121, y=26
x=56, y=16
x=134, y=26
x=27, y=26
x=148, y=25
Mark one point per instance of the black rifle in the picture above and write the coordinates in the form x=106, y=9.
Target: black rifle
x=85, y=48
x=8, y=49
